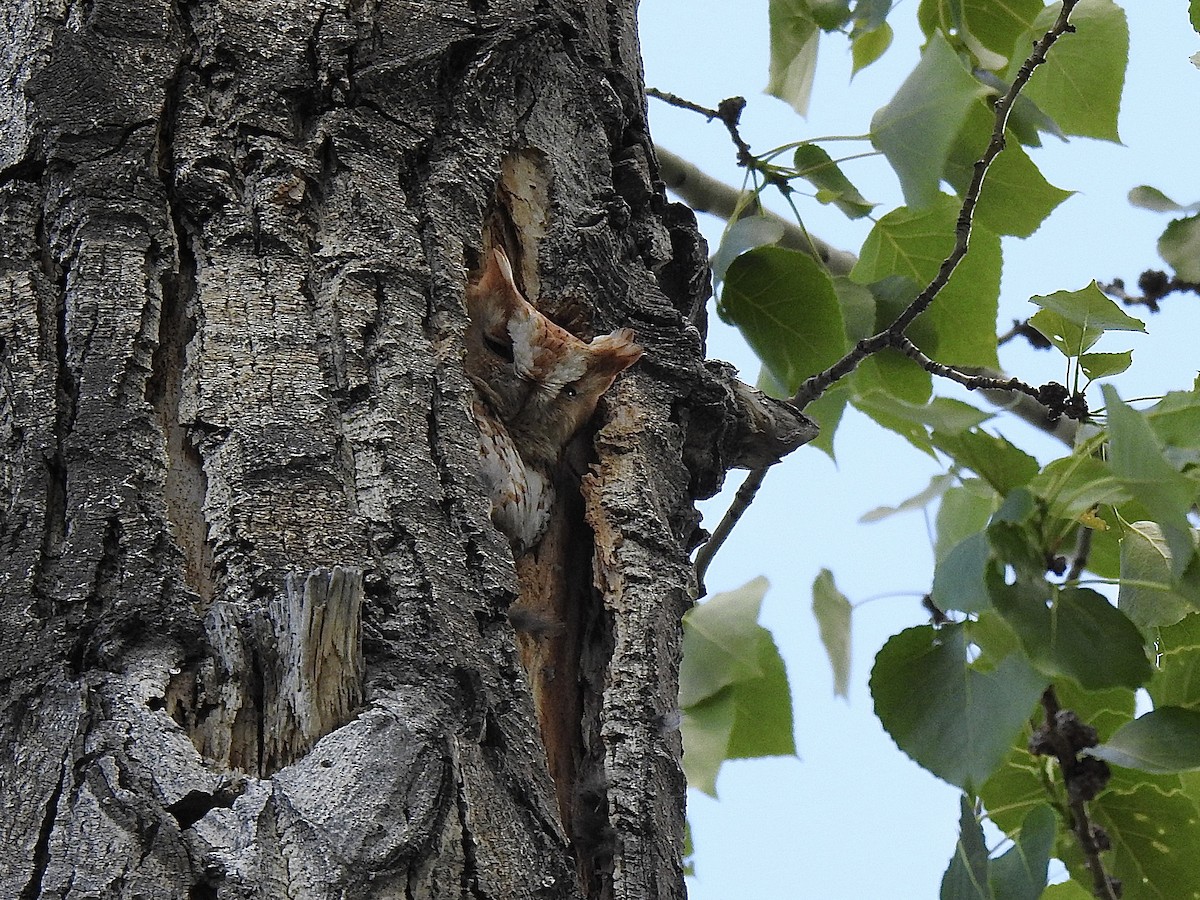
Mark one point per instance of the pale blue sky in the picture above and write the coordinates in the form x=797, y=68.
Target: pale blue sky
x=853, y=817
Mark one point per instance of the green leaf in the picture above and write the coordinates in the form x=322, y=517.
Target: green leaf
x=1155, y=837
x=784, y=304
x=720, y=642
x=994, y=459
x=868, y=46
x=964, y=511
x=1177, y=681
x=744, y=234
x=1137, y=460
x=1079, y=85
x=1153, y=199
x=1016, y=197
x=958, y=580
x=938, y=485
x=1145, y=562
x=913, y=244
x=966, y=877
x=830, y=14
x=1176, y=419
x=1020, y=874
x=1161, y=742
x=827, y=412
x=832, y=611
x=1101, y=365
x=894, y=374
x=794, y=40
x=954, y=720
x=858, y=308
x=998, y=25
x=762, y=724
x=816, y=167
x=1079, y=634
x=917, y=127
x=914, y=422
x=732, y=686
x=1074, y=484
x=706, y=728
x=1019, y=786
x=1074, y=320
x=1179, y=247
x=1067, y=890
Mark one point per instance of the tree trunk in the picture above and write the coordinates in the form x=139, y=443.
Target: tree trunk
x=256, y=638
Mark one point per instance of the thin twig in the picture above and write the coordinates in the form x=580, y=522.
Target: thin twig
x=1154, y=285
x=675, y=100
x=890, y=337
x=744, y=497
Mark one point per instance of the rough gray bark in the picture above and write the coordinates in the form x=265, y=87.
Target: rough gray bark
x=255, y=639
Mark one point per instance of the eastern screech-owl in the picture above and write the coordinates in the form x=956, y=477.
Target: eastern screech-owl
x=538, y=384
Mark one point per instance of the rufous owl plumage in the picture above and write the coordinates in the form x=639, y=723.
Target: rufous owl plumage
x=537, y=384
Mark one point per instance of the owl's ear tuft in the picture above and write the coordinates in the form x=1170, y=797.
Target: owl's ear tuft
x=614, y=353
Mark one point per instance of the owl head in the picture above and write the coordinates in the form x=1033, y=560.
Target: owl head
x=540, y=380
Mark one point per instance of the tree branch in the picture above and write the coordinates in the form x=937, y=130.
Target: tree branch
x=893, y=335
x=1062, y=736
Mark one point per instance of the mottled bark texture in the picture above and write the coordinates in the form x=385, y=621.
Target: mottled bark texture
x=254, y=639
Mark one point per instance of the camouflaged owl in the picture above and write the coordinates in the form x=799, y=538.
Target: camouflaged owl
x=537, y=385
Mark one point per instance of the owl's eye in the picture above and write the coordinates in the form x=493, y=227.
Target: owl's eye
x=502, y=348
x=570, y=391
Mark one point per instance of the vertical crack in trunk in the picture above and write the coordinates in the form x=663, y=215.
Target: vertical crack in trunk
x=186, y=484
x=41, y=850
x=66, y=396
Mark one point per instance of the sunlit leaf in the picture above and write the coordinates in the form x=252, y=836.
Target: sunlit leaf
x=816, y=167
x=794, y=40
x=1177, y=681
x=1163, y=741
x=833, y=613
x=721, y=638
x=917, y=127
x=960, y=327
x=745, y=234
x=706, y=728
x=1179, y=247
x=1074, y=320
x=1016, y=197
x=956, y=721
x=994, y=459
x=1155, y=835
x=997, y=25
x=733, y=689
x=866, y=47
x=1138, y=461
x=784, y=303
x=1080, y=83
